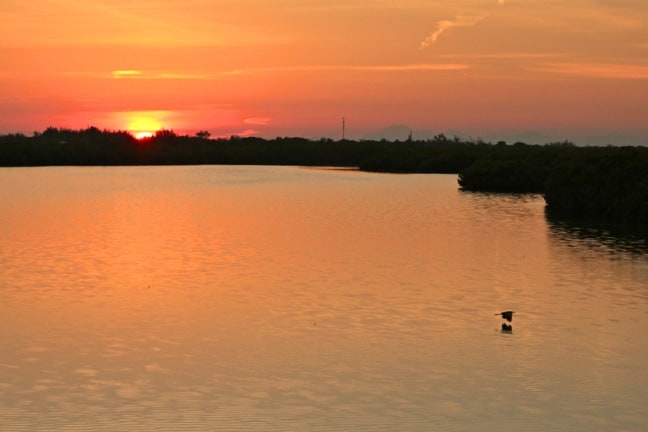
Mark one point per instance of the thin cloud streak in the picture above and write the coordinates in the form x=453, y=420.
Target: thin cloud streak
x=128, y=73
x=257, y=121
x=445, y=25
x=154, y=75
x=368, y=68
x=598, y=70
x=504, y=55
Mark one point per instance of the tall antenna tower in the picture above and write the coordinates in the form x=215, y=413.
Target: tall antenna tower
x=343, y=127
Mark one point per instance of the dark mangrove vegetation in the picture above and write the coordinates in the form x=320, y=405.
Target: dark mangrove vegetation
x=92, y=146
x=608, y=184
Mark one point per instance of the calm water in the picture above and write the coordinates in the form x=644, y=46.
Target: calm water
x=291, y=299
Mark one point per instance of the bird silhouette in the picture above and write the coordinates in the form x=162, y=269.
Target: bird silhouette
x=507, y=315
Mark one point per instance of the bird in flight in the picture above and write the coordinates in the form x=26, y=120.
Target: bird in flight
x=507, y=315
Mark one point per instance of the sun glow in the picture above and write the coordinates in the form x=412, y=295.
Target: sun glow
x=143, y=127
x=143, y=135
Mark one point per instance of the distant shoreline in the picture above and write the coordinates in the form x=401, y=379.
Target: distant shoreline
x=605, y=183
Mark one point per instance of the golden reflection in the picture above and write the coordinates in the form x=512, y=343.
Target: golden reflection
x=145, y=291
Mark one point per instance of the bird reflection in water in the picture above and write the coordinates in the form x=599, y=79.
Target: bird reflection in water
x=508, y=316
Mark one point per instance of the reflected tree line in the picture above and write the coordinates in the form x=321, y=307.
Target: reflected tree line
x=601, y=183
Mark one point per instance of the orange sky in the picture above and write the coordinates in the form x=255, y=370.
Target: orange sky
x=492, y=68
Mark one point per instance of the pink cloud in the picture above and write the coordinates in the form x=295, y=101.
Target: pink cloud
x=257, y=121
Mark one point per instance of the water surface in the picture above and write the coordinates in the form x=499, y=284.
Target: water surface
x=282, y=298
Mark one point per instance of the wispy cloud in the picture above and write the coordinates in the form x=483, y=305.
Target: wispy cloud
x=170, y=75
x=360, y=68
x=127, y=73
x=138, y=74
x=257, y=121
x=414, y=67
x=445, y=25
x=505, y=55
x=598, y=70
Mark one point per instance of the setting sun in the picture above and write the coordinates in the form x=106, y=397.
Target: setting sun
x=143, y=134
x=144, y=127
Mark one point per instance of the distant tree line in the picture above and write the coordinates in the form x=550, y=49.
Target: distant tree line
x=604, y=183
x=92, y=146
